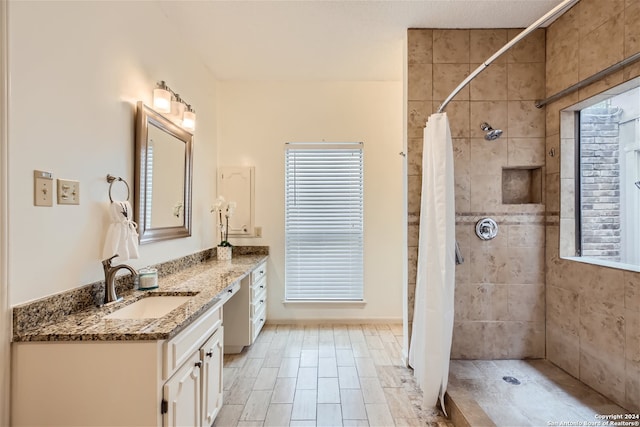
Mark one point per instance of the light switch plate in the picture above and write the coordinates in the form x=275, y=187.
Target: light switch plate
x=42, y=188
x=68, y=192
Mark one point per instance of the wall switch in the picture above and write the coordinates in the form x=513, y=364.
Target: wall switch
x=257, y=231
x=68, y=192
x=42, y=188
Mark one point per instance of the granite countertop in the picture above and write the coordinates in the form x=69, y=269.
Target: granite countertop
x=205, y=282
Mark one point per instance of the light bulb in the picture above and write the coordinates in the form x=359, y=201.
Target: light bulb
x=189, y=119
x=162, y=100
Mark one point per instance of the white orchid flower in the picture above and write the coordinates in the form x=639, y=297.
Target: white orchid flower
x=217, y=206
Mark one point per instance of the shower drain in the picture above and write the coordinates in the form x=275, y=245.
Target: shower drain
x=511, y=380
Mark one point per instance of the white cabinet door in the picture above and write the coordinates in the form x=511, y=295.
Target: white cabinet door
x=182, y=392
x=212, y=354
x=237, y=184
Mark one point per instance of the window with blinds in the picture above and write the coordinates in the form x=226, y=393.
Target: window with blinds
x=324, y=222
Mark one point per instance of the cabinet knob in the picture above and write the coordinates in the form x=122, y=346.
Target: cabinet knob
x=230, y=291
x=261, y=301
x=261, y=286
x=261, y=271
x=209, y=353
x=261, y=320
x=198, y=364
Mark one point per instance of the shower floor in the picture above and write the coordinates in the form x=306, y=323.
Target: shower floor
x=545, y=395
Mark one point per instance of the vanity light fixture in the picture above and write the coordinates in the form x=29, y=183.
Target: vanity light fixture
x=167, y=101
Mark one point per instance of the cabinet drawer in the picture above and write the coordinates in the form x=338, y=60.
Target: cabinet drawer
x=259, y=272
x=181, y=347
x=258, y=288
x=230, y=292
x=258, y=322
x=258, y=303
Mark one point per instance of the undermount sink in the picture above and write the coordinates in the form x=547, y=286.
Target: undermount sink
x=151, y=307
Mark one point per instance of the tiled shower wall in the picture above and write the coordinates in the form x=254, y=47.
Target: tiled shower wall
x=593, y=312
x=499, y=307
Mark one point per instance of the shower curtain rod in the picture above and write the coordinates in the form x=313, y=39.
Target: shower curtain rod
x=549, y=15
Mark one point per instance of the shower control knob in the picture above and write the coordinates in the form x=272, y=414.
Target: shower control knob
x=486, y=229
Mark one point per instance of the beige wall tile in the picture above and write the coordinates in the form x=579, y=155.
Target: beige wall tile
x=495, y=113
x=488, y=157
x=463, y=193
x=529, y=49
x=526, y=81
x=446, y=77
x=417, y=114
x=463, y=236
x=419, y=82
x=529, y=235
x=563, y=350
x=562, y=62
x=594, y=13
x=486, y=193
x=461, y=156
x=553, y=118
x=526, y=151
x=632, y=332
x=525, y=266
x=632, y=71
x=632, y=386
x=553, y=192
x=414, y=191
x=602, y=47
x=632, y=290
x=604, y=373
x=525, y=120
x=563, y=310
x=458, y=113
x=526, y=340
x=484, y=43
x=567, y=22
x=602, y=330
x=490, y=84
x=412, y=235
x=419, y=46
x=552, y=163
x=414, y=156
x=451, y=46
x=481, y=301
x=526, y=303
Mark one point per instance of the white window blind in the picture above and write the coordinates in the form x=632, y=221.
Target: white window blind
x=324, y=221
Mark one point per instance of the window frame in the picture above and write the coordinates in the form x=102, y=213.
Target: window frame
x=570, y=214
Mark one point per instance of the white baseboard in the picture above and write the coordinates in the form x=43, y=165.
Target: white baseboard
x=374, y=321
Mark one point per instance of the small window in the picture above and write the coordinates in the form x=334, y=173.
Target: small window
x=324, y=216
x=606, y=184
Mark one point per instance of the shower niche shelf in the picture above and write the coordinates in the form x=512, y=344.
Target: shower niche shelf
x=522, y=185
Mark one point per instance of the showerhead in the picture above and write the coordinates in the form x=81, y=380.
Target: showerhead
x=492, y=134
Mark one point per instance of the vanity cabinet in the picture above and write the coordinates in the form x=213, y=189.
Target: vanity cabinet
x=174, y=382
x=246, y=313
x=193, y=395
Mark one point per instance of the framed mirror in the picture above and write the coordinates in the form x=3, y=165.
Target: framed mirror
x=163, y=177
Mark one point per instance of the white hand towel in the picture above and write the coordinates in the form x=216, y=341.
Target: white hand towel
x=122, y=235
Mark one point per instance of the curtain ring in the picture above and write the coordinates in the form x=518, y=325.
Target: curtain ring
x=111, y=179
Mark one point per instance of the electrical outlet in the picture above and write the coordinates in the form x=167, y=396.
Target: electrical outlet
x=257, y=231
x=42, y=188
x=68, y=192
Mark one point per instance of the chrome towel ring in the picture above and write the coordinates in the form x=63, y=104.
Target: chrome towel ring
x=111, y=179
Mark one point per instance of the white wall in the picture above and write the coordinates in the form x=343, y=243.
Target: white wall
x=76, y=72
x=257, y=118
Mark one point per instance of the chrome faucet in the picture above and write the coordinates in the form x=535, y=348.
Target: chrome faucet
x=110, y=279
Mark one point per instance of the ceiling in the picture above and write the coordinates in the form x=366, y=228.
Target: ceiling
x=327, y=40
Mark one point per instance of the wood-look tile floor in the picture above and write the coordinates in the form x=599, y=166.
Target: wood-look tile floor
x=323, y=375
